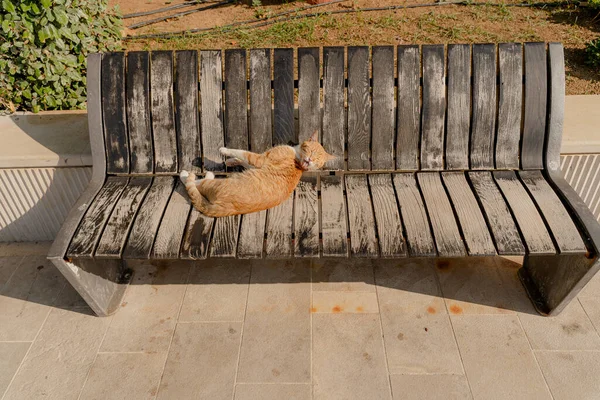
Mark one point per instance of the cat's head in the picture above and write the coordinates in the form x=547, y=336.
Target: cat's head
x=312, y=155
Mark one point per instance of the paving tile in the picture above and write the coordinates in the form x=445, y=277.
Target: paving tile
x=273, y=391
x=341, y=275
x=497, y=358
x=571, y=374
x=591, y=305
x=217, y=292
x=344, y=302
x=276, y=340
x=59, y=359
x=24, y=249
x=69, y=298
x=11, y=355
x=202, y=361
x=25, y=299
x=8, y=265
x=128, y=376
x=592, y=289
x=475, y=285
x=570, y=330
x=417, y=331
x=430, y=387
x=348, y=357
x=149, y=311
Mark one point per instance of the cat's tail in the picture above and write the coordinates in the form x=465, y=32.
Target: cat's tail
x=198, y=201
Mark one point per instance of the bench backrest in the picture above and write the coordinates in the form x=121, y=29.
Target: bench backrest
x=407, y=108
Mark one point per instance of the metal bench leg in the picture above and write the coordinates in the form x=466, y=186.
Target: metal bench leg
x=101, y=283
x=552, y=281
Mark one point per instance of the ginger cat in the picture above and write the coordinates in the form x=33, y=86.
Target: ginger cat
x=270, y=178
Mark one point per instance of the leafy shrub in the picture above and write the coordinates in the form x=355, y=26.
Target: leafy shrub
x=43, y=49
x=594, y=4
x=592, y=52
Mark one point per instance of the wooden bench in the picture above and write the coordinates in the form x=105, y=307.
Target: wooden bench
x=443, y=152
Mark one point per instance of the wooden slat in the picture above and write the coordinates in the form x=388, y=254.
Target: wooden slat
x=359, y=109
x=260, y=100
x=536, y=92
x=138, y=112
x=556, y=105
x=163, y=119
x=113, y=113
x=306, y=221
x=211, y=98
x=459, y=106
x=279, y=229
x=283, y=91
x=387, y=216
x=363, y=241
x=384, y=121
x=236, y=100
x=186, y=111
x=225, y=236
x=333, y=217
x=121, y=220
x=197, y=236
x=530, y=223
x=409, y=108
x=309, y=100
x=414, y=216
x=561, y=224
x=484, y=106
x=145, y=226
x=88, y=234
x=252, y=235
x=503, y=227
x=172, y=227
x=445, y=230
x=474, y=228
x=434, y=108
x=510, y=100
x=333, y=105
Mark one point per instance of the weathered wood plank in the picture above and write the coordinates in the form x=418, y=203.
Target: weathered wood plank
x=121, y=219
x=279, y=230
x=145, y=226
x=384, y=121
x=333, y=105
x=186, y=111
x=260, y=100
x=387, y=216
x=309, y=100
x=225, y=236
x=561, y=224
x=503, y=227
x=483, y=133
x=528, y=219
x=363, y=241
x=445, y=229
x=163, y=119
x=556, y=105
x=197, y=236
x=536, y=92
x=252, y=235
x=172, y=227
x=306, y=218
x=236, y=100
x=211, y=103
x=283, y=92
x=113, y=113
x=333, y=219
x=510, y=101
x=434, y=108
x=359, y=109
x=414, y=216
x=475, y=230
x=138, y=112
x=409, y=108
x=88, y=234
x=459, y=106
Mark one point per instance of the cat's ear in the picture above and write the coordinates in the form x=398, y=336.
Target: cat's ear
x=314, y=137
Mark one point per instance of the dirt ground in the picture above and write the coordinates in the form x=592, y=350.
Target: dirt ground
x=573, y=26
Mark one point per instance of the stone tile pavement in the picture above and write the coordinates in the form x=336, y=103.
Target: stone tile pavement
x=411, y=329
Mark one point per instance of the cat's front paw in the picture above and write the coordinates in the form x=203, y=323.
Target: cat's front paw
x=183, y=175
x=224, y=151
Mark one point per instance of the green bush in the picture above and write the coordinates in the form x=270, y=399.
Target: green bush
x=592, y=52
x=43, y=49
x=594, y=3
